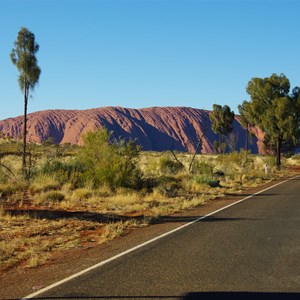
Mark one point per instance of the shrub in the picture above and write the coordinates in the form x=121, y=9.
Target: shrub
x=202, y=168
x=168, y=186
x=169, y=166
x=232, y=163
x=44, y=183
x=63, y=172
x=207, y=179
x=110, y=163
x=270, y=161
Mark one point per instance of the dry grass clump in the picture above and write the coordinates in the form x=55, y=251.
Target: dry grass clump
x=29, y=242
x=7, y=189
x=53, y=196
x=82, y=193
x=13, y=162
x=125, y=203
x=75, y=198
x=116, y=229
x=44, y=183
x=293, y=160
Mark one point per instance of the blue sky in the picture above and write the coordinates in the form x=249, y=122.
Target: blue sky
x=148, y=53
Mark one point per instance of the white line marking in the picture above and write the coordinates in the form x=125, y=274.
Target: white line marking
x=146, y=243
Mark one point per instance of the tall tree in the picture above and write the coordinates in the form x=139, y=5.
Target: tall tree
x=296, y=99
x=222, y=123
x=23, y=56
x=245, y=120
x=274, y=110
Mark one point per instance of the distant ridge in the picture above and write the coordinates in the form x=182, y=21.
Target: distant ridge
x=154, y=128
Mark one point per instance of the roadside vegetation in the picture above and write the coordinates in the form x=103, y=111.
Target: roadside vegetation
x=57, y=197
x=83, y=196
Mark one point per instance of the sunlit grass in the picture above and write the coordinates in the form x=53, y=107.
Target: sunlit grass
x=29, y=240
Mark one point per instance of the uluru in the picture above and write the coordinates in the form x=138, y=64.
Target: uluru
x=154, y=128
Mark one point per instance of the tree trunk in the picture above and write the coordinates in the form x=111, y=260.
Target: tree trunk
x=222, y=144
x=278, y=153
x=198, y=146
x=176, y=157
x=25, y=130
x=247, y=138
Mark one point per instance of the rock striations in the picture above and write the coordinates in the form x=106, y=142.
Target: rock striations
x=155, y=128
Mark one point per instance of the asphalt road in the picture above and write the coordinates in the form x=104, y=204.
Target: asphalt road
x=248, y=251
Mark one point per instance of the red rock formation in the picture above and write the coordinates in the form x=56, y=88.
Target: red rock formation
x=155, y=128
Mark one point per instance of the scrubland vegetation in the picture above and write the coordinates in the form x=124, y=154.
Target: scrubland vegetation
x=83, y=196
x=54, y=198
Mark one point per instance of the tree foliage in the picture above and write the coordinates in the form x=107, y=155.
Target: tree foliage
x=23, y=56
x=275, y=111
x=245, y=120
x=222, y=123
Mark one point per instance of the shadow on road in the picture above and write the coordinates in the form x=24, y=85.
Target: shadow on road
x=112, y=218
x=196, y=295
x=186, y=219
x=237, y=195
x=241, y=296
x=50, y=214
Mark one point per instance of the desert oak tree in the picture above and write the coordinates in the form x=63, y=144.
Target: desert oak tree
x=222, y=123
x=23, y=56
x=245, y=120
x=275, y=111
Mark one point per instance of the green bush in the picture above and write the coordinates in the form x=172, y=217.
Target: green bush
x=44, y=183
x=168, y=186
x=110, y=163
x=232, y=163
x=202, y=168
x=64, y=171
x=207, y=179
x=270, y=161
x=170, y=166
x=235, y=158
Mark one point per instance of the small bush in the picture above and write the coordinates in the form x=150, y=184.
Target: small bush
x=44, y=183
x=232, y=163
x=63, y=172
x=168, y=186
x=111, y=163
x=270, y=161
x=169, y=166
x=209, y=180
x=202, y=168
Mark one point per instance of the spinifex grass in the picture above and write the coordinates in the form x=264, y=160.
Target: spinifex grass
x=29, y=242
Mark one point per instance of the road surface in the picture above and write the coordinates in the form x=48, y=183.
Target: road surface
x=248, y=251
